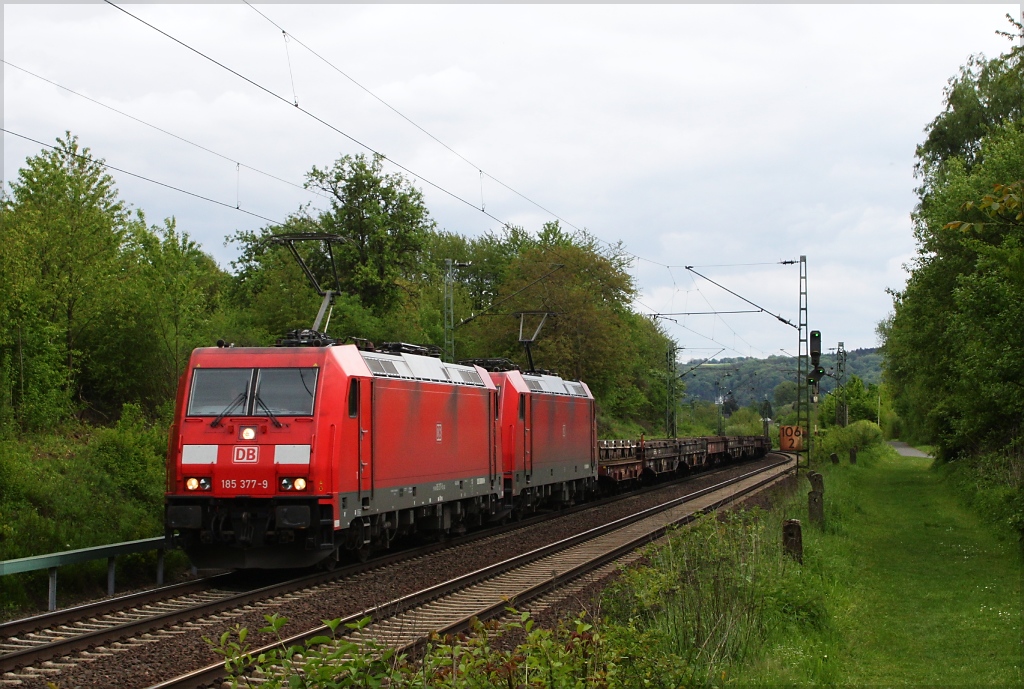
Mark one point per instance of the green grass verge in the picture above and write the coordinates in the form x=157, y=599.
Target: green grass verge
x=922, y=590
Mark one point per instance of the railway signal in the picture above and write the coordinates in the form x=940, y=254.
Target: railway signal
x=815, y=348
x=817, y=373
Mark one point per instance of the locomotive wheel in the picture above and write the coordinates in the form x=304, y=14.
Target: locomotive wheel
x=363, y=553
x=331, y=562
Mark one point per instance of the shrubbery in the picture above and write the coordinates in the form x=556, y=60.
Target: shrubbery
x=992, y=484
x=711, y=599
x=83, y=488
x=708, y=599
x=573, y=655
x=841, y=440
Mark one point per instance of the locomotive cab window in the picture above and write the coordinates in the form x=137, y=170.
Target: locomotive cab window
x=284, y=392
x=353, y=398
x=522, y=406
x=220, y=391
x=252, y=392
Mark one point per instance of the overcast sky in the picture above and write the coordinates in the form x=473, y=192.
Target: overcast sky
x=697, y=135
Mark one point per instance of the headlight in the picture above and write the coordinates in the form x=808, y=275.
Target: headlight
x=293, y=484
x=247, y=432
x=192, y=484
x=204, y=483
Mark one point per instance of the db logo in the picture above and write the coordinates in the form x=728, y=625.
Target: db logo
x=246, y=454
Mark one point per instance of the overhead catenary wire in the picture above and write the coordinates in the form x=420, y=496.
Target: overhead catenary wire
x=719, y=318
x=738, y=265
x=466, y=160
x=308, y=113
x=777, y=317
x=146, y=179
x=162, y=130
x=701, y=313
x=371, y=149
x=699, y=334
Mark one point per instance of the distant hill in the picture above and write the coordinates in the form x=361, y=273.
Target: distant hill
x=751, y=379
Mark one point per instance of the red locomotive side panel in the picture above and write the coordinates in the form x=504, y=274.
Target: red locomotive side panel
x=425, y=433
x=282, y=456
x=561, y=432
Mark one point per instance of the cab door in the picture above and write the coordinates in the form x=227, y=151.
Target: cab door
x=358, y=435
x=366, y=418
x=527, y=402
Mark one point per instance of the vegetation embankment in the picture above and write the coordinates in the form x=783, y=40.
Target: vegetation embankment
x=80, y=487
x=903, y=585
x=954, y=362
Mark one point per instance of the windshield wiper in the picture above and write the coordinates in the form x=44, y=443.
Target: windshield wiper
x=227, y=410
x=259, y=401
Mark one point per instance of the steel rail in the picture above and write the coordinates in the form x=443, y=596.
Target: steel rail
x=561, y=579
x=67, y=641
x=213, y=674
x=56, y=623
x=103, y=607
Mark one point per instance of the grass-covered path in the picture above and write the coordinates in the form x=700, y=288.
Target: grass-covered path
x=931, y=594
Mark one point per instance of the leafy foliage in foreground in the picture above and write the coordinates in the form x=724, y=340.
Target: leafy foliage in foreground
x=954, y=356
x=570, y=656
x=59, y=494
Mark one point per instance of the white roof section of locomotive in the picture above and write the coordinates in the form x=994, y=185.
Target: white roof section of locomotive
x=415, y=367
x=554, y=385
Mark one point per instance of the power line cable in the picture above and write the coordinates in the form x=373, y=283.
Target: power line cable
x=724, y=322
x=393, y=162
x=147, y=179
x=778, y=317
x=700, y=313
x=469, y=162
x=308, y=113
x=706, y=337
x=161, y=130
x=736, y=265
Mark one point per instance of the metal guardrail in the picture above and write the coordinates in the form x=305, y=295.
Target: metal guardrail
x=52, y=561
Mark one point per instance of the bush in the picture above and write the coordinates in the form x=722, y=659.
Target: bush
x=862, y=435
x=570, y=656
x=992, y=484
x=81, y=488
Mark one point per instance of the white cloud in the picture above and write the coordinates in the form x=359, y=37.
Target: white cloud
x=697, y=134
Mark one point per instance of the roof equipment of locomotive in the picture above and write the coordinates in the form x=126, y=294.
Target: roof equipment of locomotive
x=312, y=337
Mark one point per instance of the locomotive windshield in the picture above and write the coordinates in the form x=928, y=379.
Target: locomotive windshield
x=276, y=392
x=219, y=391
x=285, y=391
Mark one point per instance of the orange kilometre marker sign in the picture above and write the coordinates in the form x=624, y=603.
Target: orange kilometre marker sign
x=791, y=438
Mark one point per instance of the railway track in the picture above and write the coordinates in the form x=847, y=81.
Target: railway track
x=449, y=607
x=44, y=646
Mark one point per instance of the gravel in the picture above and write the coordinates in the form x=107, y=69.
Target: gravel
x=164, y=655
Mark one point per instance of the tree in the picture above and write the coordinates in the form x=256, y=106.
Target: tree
x=64, y=233
x=981, y=97
x=384, y=220
x=591, y=334
x=785, y=393
x=952, y=347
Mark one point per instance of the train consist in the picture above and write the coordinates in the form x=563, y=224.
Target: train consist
x=287, y=456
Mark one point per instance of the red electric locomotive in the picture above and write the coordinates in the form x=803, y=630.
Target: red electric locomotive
x=286, y=456
x=548, y=434
x=282, y=457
